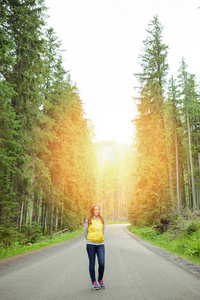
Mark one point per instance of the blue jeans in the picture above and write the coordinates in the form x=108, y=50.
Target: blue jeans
x=92, y=251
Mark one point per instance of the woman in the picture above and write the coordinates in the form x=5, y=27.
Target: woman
x=94, y=234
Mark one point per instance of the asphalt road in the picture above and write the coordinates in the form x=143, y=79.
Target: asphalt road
x=132, y=272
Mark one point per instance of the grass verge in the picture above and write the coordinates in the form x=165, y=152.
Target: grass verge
x=182, y=243
x=16, y=248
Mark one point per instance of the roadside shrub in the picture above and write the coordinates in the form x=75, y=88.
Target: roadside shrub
x=178, y=224
x=71, y=221
x=8, y=234
x=31, y=233
x=192, y=227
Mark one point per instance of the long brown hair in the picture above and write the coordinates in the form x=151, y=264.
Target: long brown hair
x=91, y=215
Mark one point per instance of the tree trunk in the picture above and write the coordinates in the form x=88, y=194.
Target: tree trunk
x=198, y=148
x=177, y=175
x=191, y=165
x=182, y=187
x=21, y=215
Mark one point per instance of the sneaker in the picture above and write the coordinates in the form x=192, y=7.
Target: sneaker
x=95, y=286
x=101, y=284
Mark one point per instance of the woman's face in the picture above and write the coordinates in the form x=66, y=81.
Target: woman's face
x=96, y=211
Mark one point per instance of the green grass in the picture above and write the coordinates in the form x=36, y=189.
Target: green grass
x=16, y=248
x=183, y=243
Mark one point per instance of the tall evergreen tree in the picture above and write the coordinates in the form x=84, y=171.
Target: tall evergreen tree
x=153, y=186
x=175, y=134
x=190, y=116
x=23, y=24
x=9, y=126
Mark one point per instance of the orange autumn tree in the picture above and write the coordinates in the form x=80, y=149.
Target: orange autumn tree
x=152, y=200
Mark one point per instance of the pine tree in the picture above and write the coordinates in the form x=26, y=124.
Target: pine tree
x=154, y=58
x=9, y=126
x=175, y=134
x=190, y=115
x=22, y=24
x=153, y=186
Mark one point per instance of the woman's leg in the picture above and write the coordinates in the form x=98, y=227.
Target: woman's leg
x=101, y=260
x=91, y=250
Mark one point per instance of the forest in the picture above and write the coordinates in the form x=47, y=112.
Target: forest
x=47, y=158
x=51, y=171
x=167, y=178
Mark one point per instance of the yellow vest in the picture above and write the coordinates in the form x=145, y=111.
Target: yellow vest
x=95, y=231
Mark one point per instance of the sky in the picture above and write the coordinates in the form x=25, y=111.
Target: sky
x=103, y=40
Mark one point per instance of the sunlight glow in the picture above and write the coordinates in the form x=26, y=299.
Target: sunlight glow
x=103, y=56
x=114, y=126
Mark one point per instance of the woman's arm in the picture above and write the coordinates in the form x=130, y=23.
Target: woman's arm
x=86, y=229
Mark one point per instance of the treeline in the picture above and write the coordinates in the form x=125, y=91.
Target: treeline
x=114, y=185
x=47, y=158
x=167, y=136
